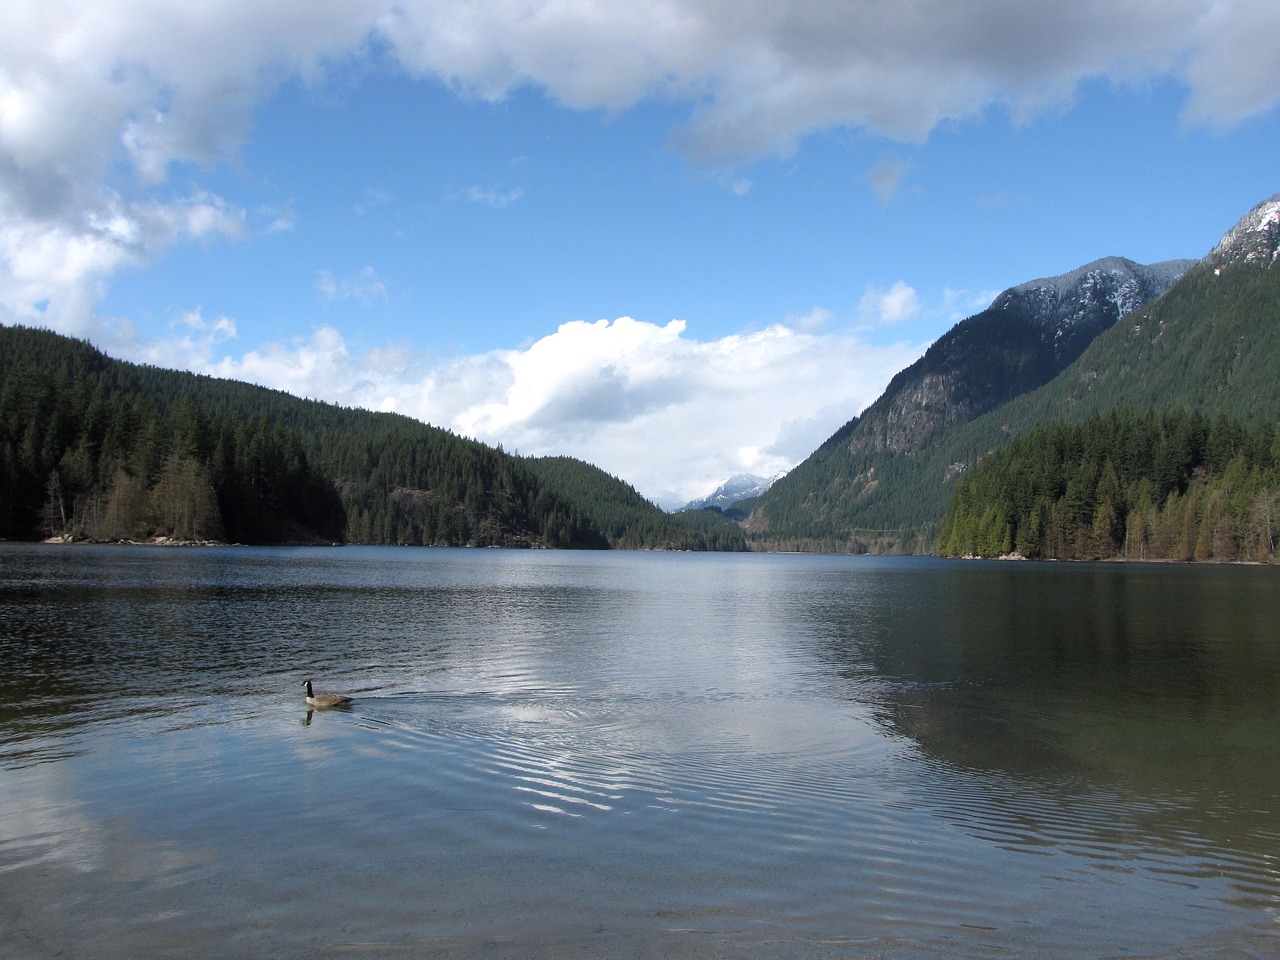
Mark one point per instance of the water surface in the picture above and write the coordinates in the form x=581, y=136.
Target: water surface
x=561, y=754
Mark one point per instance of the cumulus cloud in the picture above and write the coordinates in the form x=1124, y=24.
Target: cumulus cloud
x=760, y=75
x=53, y=272
x=97, y=104
x=882, y=308
x=1230, y=68
x=670, y=414
x=194, y=340
x=814, y=320
x=100, y=102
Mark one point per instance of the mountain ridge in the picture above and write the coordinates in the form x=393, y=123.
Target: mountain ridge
x=1210, y=342
x=857, y=486
x=93, y=448
x=741, y=486
x=1254, y=239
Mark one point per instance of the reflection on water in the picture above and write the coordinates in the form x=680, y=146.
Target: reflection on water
x=634, y=755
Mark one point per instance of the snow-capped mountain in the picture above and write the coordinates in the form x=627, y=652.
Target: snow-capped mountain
x=739, y=487
x=1077, y=305
x=1255, y=239
x=1028, y=335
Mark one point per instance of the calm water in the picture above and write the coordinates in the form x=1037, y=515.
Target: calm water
x=634, y=755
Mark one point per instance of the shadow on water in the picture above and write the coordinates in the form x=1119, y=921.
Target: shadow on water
x=632, y=755
x=1119, y=713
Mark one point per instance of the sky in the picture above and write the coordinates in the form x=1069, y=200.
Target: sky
x=680, y=240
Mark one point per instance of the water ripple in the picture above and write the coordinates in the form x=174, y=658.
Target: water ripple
x=635, y=756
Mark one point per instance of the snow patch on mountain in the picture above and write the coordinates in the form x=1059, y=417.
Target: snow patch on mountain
x=1098, y=294
x=741, y=486
x=1255, y=239
x=1115, y=280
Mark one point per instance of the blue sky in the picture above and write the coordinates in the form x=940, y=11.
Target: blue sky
x=679, y=240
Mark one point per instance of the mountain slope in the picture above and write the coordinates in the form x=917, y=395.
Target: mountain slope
x=866, y=486
x=1211, y=344
x=99, y=448
x=1155, y=485
x=625, y=518
x=741, y=486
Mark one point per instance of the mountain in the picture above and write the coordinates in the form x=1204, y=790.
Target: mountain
x=96, y=448
x=741, y=486
x=1210, y=344
x=625, y=518
x=869, y=486
x=1255, y=239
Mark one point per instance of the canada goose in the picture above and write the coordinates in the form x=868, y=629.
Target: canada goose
x=325, y=700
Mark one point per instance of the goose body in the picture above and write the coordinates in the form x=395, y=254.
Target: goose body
x=325, y=700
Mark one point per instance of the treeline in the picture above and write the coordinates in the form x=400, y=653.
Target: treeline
x=1151, y=486
x=81, y=459
x=627, y=520
x=95, y=448
x=837, y=501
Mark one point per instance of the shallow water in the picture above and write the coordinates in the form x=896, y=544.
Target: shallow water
x=641, y=755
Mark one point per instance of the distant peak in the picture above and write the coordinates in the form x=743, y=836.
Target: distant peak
x=741, y=486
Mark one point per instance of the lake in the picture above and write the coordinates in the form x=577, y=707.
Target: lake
x=560, y=754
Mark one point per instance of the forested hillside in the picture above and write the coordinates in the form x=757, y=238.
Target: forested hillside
x=874, y=484
x=1156, y=486
x=1210, y=344
x=94, y=448
x=627, y=519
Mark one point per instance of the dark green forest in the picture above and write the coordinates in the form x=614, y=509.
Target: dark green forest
x=871, y=486
x=1151, y=486
x=627, y=519
x=97, y=449
x=1211, y=344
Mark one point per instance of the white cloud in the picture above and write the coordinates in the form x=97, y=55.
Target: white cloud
x=1231, y=70
x=197, y=337
x=814, y=320
x=670, y=414
x=99, y=102
x=218, y=330
x=884, y=308
x=55, y=273
x=761, y=75
x=282, y=220
x=366, y=287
